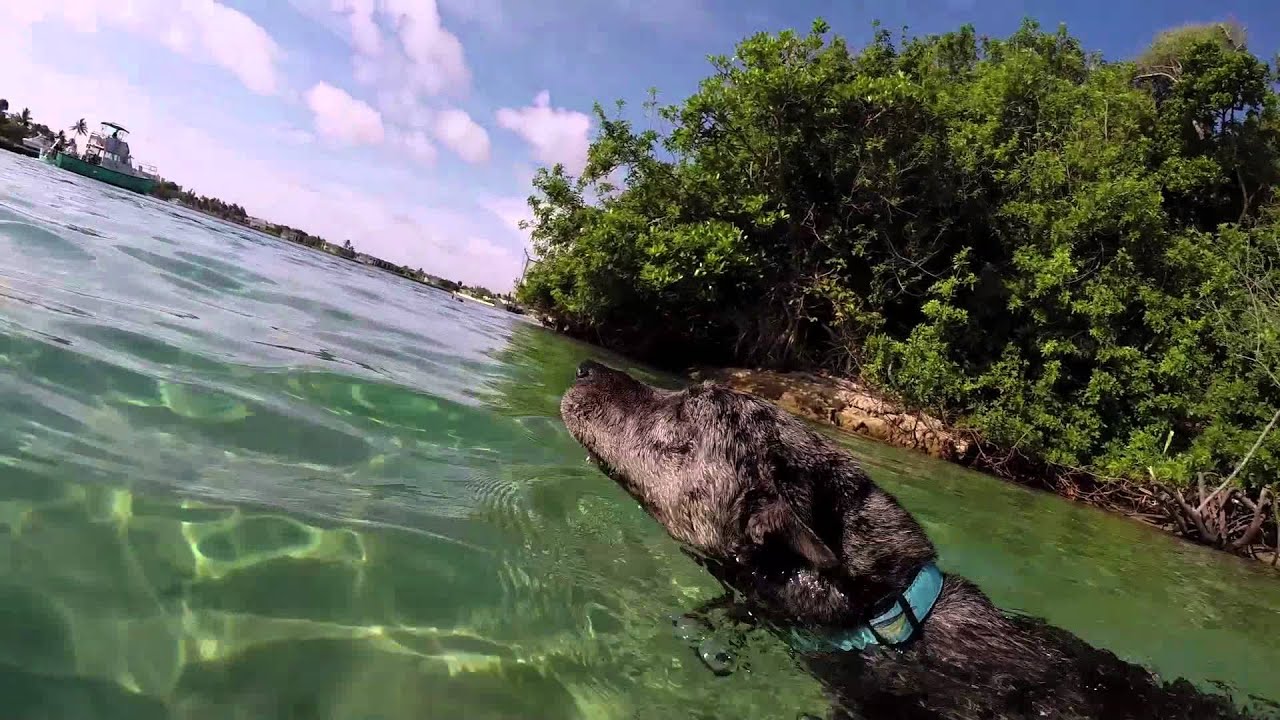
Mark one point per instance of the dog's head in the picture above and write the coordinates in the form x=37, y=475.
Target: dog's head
x=736, y=479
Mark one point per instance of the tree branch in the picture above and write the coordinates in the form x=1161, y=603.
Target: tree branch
x=1155, y=74
x=1255, y=526
x=1192, y=514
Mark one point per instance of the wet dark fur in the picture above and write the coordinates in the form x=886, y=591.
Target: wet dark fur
x=802, y=537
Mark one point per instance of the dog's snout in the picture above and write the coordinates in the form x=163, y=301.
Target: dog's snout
x=588, y=367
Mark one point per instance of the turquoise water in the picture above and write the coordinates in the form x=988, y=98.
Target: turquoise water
x=241, y=479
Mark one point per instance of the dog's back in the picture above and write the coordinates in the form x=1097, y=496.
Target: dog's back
x=1081, y=682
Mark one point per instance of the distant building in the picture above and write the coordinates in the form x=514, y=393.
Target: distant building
x=290, y=234
x=258, y=223
x=379, y=263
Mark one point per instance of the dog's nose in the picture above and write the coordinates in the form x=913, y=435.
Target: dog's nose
x=588, y=367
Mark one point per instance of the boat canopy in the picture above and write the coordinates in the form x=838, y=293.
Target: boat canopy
x=110, y=146
x=116, y=147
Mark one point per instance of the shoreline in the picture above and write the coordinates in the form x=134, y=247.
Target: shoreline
x=459, y=293
x=334, y=251
x=850, y=406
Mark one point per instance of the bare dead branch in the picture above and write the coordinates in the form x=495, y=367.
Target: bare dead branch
x=1155, y=74
x=1243, y=461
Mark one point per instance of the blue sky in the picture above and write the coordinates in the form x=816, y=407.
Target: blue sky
x=412, y=127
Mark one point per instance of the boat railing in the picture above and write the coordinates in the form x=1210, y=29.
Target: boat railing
x=149, y=170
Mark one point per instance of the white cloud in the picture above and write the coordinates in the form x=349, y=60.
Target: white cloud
x=403, y=107
x=232, y=40
x=484, y=248
x=365, y=34
x=406, y=55
x=511, y=211
x=435, y=54
x=403, y=44
x=458, y=132
x=204, y=30
x=292, y=135
x=418, y=145
x=342, y=118
x=556, y=135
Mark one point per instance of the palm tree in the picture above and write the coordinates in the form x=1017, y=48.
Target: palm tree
x=24, y=117
x=80, y=127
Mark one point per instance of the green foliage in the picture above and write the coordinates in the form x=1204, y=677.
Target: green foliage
x=169, y=190
x=1171, y=47
x=1050, y=249
x=11, y=130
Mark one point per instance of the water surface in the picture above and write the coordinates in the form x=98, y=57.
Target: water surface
x=242, y=479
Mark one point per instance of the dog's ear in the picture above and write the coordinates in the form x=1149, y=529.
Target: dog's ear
x=778, y=519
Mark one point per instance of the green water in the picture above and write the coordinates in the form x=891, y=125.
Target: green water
x=240, y=479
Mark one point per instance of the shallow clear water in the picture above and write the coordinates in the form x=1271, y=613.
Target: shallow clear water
x=241, y=479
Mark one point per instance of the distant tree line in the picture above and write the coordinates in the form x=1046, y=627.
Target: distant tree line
x=169, y=190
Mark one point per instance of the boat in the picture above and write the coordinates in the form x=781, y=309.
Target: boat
x=40, y=145
x=106, y=158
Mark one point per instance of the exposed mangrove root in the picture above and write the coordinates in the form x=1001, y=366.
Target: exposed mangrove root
x=1204, y=501
x=1227, y=520
x=1226, y=517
